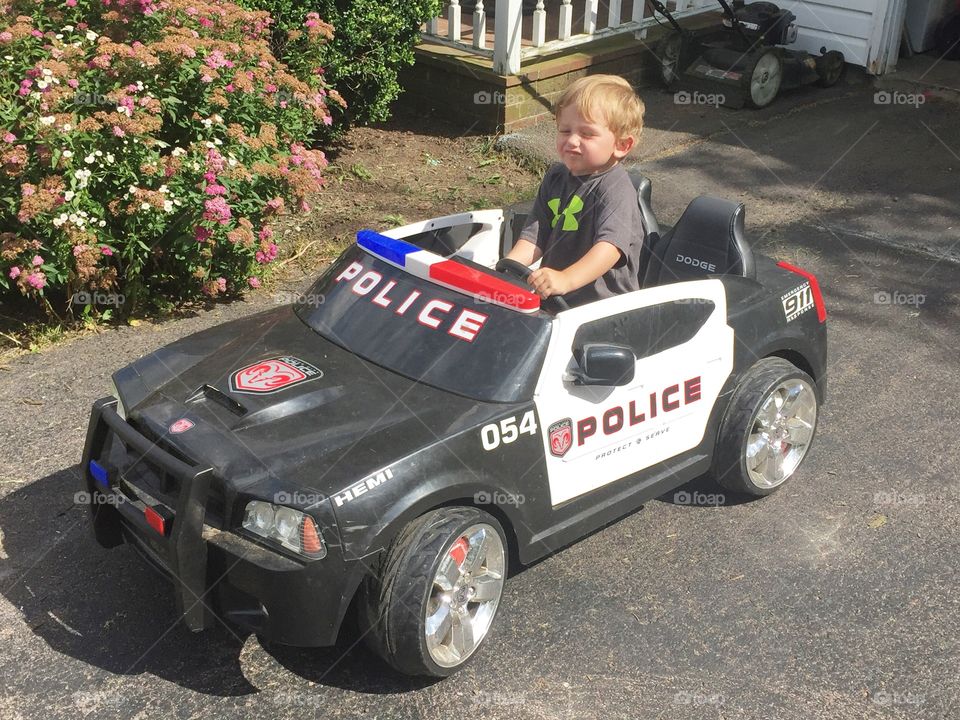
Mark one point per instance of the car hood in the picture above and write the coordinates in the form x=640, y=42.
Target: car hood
x=274, y=407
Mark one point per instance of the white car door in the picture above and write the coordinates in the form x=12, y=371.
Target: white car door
x=594, y=435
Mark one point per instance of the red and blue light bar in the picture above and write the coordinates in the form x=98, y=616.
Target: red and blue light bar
x=101, y=475
x=448, y=273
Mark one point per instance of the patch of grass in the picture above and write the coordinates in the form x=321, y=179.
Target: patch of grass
x=360, y=172
x=394, y=220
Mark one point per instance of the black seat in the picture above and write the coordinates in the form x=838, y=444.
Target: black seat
x=707, y=240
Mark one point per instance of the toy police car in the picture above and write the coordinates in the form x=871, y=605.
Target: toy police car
x=420, y=423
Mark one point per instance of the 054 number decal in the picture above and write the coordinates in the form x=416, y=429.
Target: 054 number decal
x=507, y=430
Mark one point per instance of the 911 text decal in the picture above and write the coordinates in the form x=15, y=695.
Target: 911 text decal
x=798, y=301
x=429, y=312
x=506, y=431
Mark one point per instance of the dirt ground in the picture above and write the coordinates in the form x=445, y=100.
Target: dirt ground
x=410, y=168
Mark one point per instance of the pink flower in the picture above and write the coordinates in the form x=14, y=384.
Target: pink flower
x=36, y=33
x=71, y=3
x=222, y=284
x=304, y=206
x=6, y=36
x=202, y=234
x=265, y=233
x=253, y=282
x=14, y=272
x=27, y=190
x=229, y=87
x=118, y=131
x=78, y=250
x=37, y=261
x=217, y=209
x=327, y=120
x=215, y=190
x=74, y=83
x=106, y=251
x=275, y=204
x=270, y=88
x=36, y=280
x=206, y=79
x=206, y=22
x=210, y=177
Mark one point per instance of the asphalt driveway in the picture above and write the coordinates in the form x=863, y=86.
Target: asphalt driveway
x=833, y=598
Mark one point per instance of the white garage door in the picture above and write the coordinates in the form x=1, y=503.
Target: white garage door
x=867, y=32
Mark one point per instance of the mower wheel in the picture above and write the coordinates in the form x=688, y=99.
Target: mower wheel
x=668, y=51
x=830, y=67
x=762, y=78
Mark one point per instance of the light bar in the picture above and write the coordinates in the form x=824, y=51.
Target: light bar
x=448, y=273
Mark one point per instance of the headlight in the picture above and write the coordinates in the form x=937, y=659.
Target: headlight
x=285, y=526
x=121, y=411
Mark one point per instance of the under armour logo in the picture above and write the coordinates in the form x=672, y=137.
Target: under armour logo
x=569, y=213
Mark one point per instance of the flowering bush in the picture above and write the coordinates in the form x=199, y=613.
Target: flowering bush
x=147, y=145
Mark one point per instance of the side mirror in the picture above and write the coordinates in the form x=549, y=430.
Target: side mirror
x=601, y=364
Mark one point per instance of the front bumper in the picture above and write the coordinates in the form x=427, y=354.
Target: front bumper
x=215, y=572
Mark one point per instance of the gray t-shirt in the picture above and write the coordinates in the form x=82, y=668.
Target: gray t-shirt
x=572, y=213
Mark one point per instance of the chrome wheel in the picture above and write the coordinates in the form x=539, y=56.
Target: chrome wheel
x=465, y=594
x=781, y=433
x=765, y=80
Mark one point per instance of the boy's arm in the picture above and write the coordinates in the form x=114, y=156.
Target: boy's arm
x=598, y=260
x=525, y=252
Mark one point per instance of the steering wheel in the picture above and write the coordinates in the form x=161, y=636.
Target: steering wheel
x=521, y=271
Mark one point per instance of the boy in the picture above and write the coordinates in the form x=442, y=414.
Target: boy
x=586, y=223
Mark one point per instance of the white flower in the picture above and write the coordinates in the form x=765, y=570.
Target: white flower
x=89, y=159
x=59, y=36
x=72, y=217
x=216, y=118
x=132, y=189
x=42, y=84
x=206, y=122
x=168, y=206
x=145, y=206
x=68, y=154
x=102, y=223
x=48, y=120
x=109, y=156
x=91, y=35
x=68, y=195
x=67, y=127
x=68, y=28
x=98, y=153
x=139, y=85
x=232, y=162
x=163, y=189
x=60, y=219
x=8, y=57
x=47, y=72
x=82, y=174
x=209, y=144
x=217, y=141
x=123, y=110
x=178, y=151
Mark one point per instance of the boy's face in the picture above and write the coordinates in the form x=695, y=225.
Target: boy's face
x=588, y=146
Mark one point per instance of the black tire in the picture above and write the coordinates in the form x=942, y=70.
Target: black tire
x=668, y=53
x=767, y=68
x=830, y=68
x=732, y=458
x=396, y=596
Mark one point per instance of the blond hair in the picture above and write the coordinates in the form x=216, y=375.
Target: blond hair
x=605, y=98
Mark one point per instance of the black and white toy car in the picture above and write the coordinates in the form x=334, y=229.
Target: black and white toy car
x=419, y=424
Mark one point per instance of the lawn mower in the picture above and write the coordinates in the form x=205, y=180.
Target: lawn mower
x=743, y=62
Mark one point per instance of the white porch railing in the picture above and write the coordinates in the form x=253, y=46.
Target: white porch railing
x=519, y=34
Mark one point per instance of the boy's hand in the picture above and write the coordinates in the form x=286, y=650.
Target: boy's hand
x=547, y=282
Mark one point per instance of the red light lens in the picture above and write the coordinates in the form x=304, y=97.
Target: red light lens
x=155, y=520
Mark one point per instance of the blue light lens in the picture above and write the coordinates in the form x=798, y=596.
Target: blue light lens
x=100, y=474
x=395, y=251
